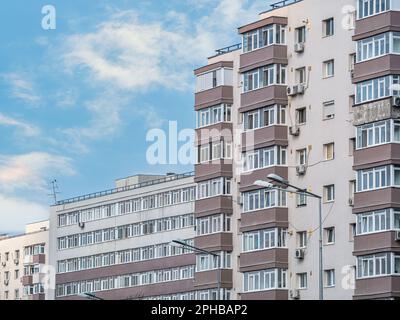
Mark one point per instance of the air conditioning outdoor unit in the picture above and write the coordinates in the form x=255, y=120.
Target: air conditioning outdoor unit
x=292, y=90
x=16, y=261
x=396, y=102
x=295, y=294
x=3, y=264
x=301, y=170
x=397, y=236
x=351, y=202
x=81, y=225
x=299, y=254
x=300, y=88
x=294, y=131
x=240, y=200
x=299, y=47
x=6, y=282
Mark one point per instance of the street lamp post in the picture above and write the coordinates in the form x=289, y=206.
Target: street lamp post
x=282, y=181
x=217, y=256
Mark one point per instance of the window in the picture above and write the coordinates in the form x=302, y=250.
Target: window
x=352, y=231
x=264, y=117
x=213, y=115
x=301, y=116
x=264, y=158
x=329, y=68
x=300, y=34
x=213, y=188
x=264, y=280
x=330, y=235
x=378, y=221
x=329, y=151
x=374, y=265
x=215, y=78
x=352, y=62
x=374, y=47
x=266, y=36
x=16, y=294
x=375, y=133
x=301, y=199
x=301, y=157
x=328, y=27
x=377, y=88
x=352, y=189
x=329, y=193
x=329, y=278
x=366, y=8
x=302, y=281
x=273, y=74
x=301, y=75
x=302, y=239
x=328, y=110
x=264, y=239
x=16, y=274
x=375, y=178
x=352, y=146
x=263, y=199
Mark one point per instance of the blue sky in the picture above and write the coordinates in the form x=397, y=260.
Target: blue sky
x=77, y=102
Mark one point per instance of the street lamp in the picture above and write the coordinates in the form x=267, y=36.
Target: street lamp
x=216, y=255
x=91, y=296
x=284, y=182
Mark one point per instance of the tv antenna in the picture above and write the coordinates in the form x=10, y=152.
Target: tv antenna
x=54, y=190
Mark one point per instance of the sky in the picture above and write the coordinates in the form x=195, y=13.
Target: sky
x=77, y=101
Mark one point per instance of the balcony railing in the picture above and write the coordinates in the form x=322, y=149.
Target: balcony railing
x=231, y=48
x=282, y=4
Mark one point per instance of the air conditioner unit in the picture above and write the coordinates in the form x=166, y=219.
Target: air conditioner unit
x=294, y=131
x=396, y=102
x=16, y=261
x=292, y=90
x=295, y=294
x=397, y=236
x=4, y=264
x=352, y=73
x=301, y=170
x=300, y=89
x=299, y=254
x=6, y=282
x=299, y=47
x=81, y=225
x=351, y=202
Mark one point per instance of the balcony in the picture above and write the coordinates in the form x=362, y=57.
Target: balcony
x=275, y=94
x=213, y=169
x=215, y=242
x=377, y=288
x=27, y=280
x=264, y=219
x=377, y=24
x=264, y=259
x=262, y=57
x=213, y=97
x=39, y=258
x=376, y=200
x=247, y=179
x=375, y=68
x=209, y=279
x=266, y=295
x=374, y=111
x=212, y=206
x=375, y=243
x=262, y=23
x=265, y=137
x=377, y=156
x=215, y=132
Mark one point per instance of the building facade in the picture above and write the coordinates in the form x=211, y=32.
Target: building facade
x=24, y=261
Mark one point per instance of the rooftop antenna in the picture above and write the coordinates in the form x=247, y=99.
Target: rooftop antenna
x=54, y=190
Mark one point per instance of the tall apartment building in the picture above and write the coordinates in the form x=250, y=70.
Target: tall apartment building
x=23, y=262
x=286, y=101
x=117, y=245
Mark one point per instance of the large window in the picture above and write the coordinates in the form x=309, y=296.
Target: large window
x=264, y=158
x=206, y=262
x=213, y=115
x=264, y=117
x=213, y=79
x=215, y=150
x=264, y=280
x=263, y=199
x=213, y=188
x=378, y=133
x=378, y=265
x=264, y=239
x=366, y=8
x=269, y=35
x=378, y=221
x=375, y=89
x=376, y=46
x=272, y=74
x=377, y=178
x=213, y=224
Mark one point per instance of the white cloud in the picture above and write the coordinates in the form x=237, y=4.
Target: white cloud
x=22, y=88
x=31, y=171
x=16, y=212
x=26, y=129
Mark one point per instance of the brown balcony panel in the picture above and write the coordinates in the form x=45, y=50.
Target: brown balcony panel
x=377, y=156
x=247, y=179
x=213, y=66
x=374, y=111
x=39, y=258
x=212, y=206
x=215, y=242
x=216, y=132
x=140, y=292
x=37, y=297
x=212, y=97
x=265, y=137
x=376, y=200
x=262, y=23
x=263, y=97
x=266, y=295
x=209, y=279
x=264, y=219
x=265, y=259
x=377, y=288
x=27, y=280
x=375, y=243
x=377, y=24
x=214, y=169
x=128, y=268
x=262, y=57
x=375, y=68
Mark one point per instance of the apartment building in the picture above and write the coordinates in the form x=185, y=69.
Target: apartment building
x=24, y=260
x=307, y=96
x=117, y=244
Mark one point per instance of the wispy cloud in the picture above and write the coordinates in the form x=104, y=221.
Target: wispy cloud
x=21, y=88
x=31, y=171
x=25, y=128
